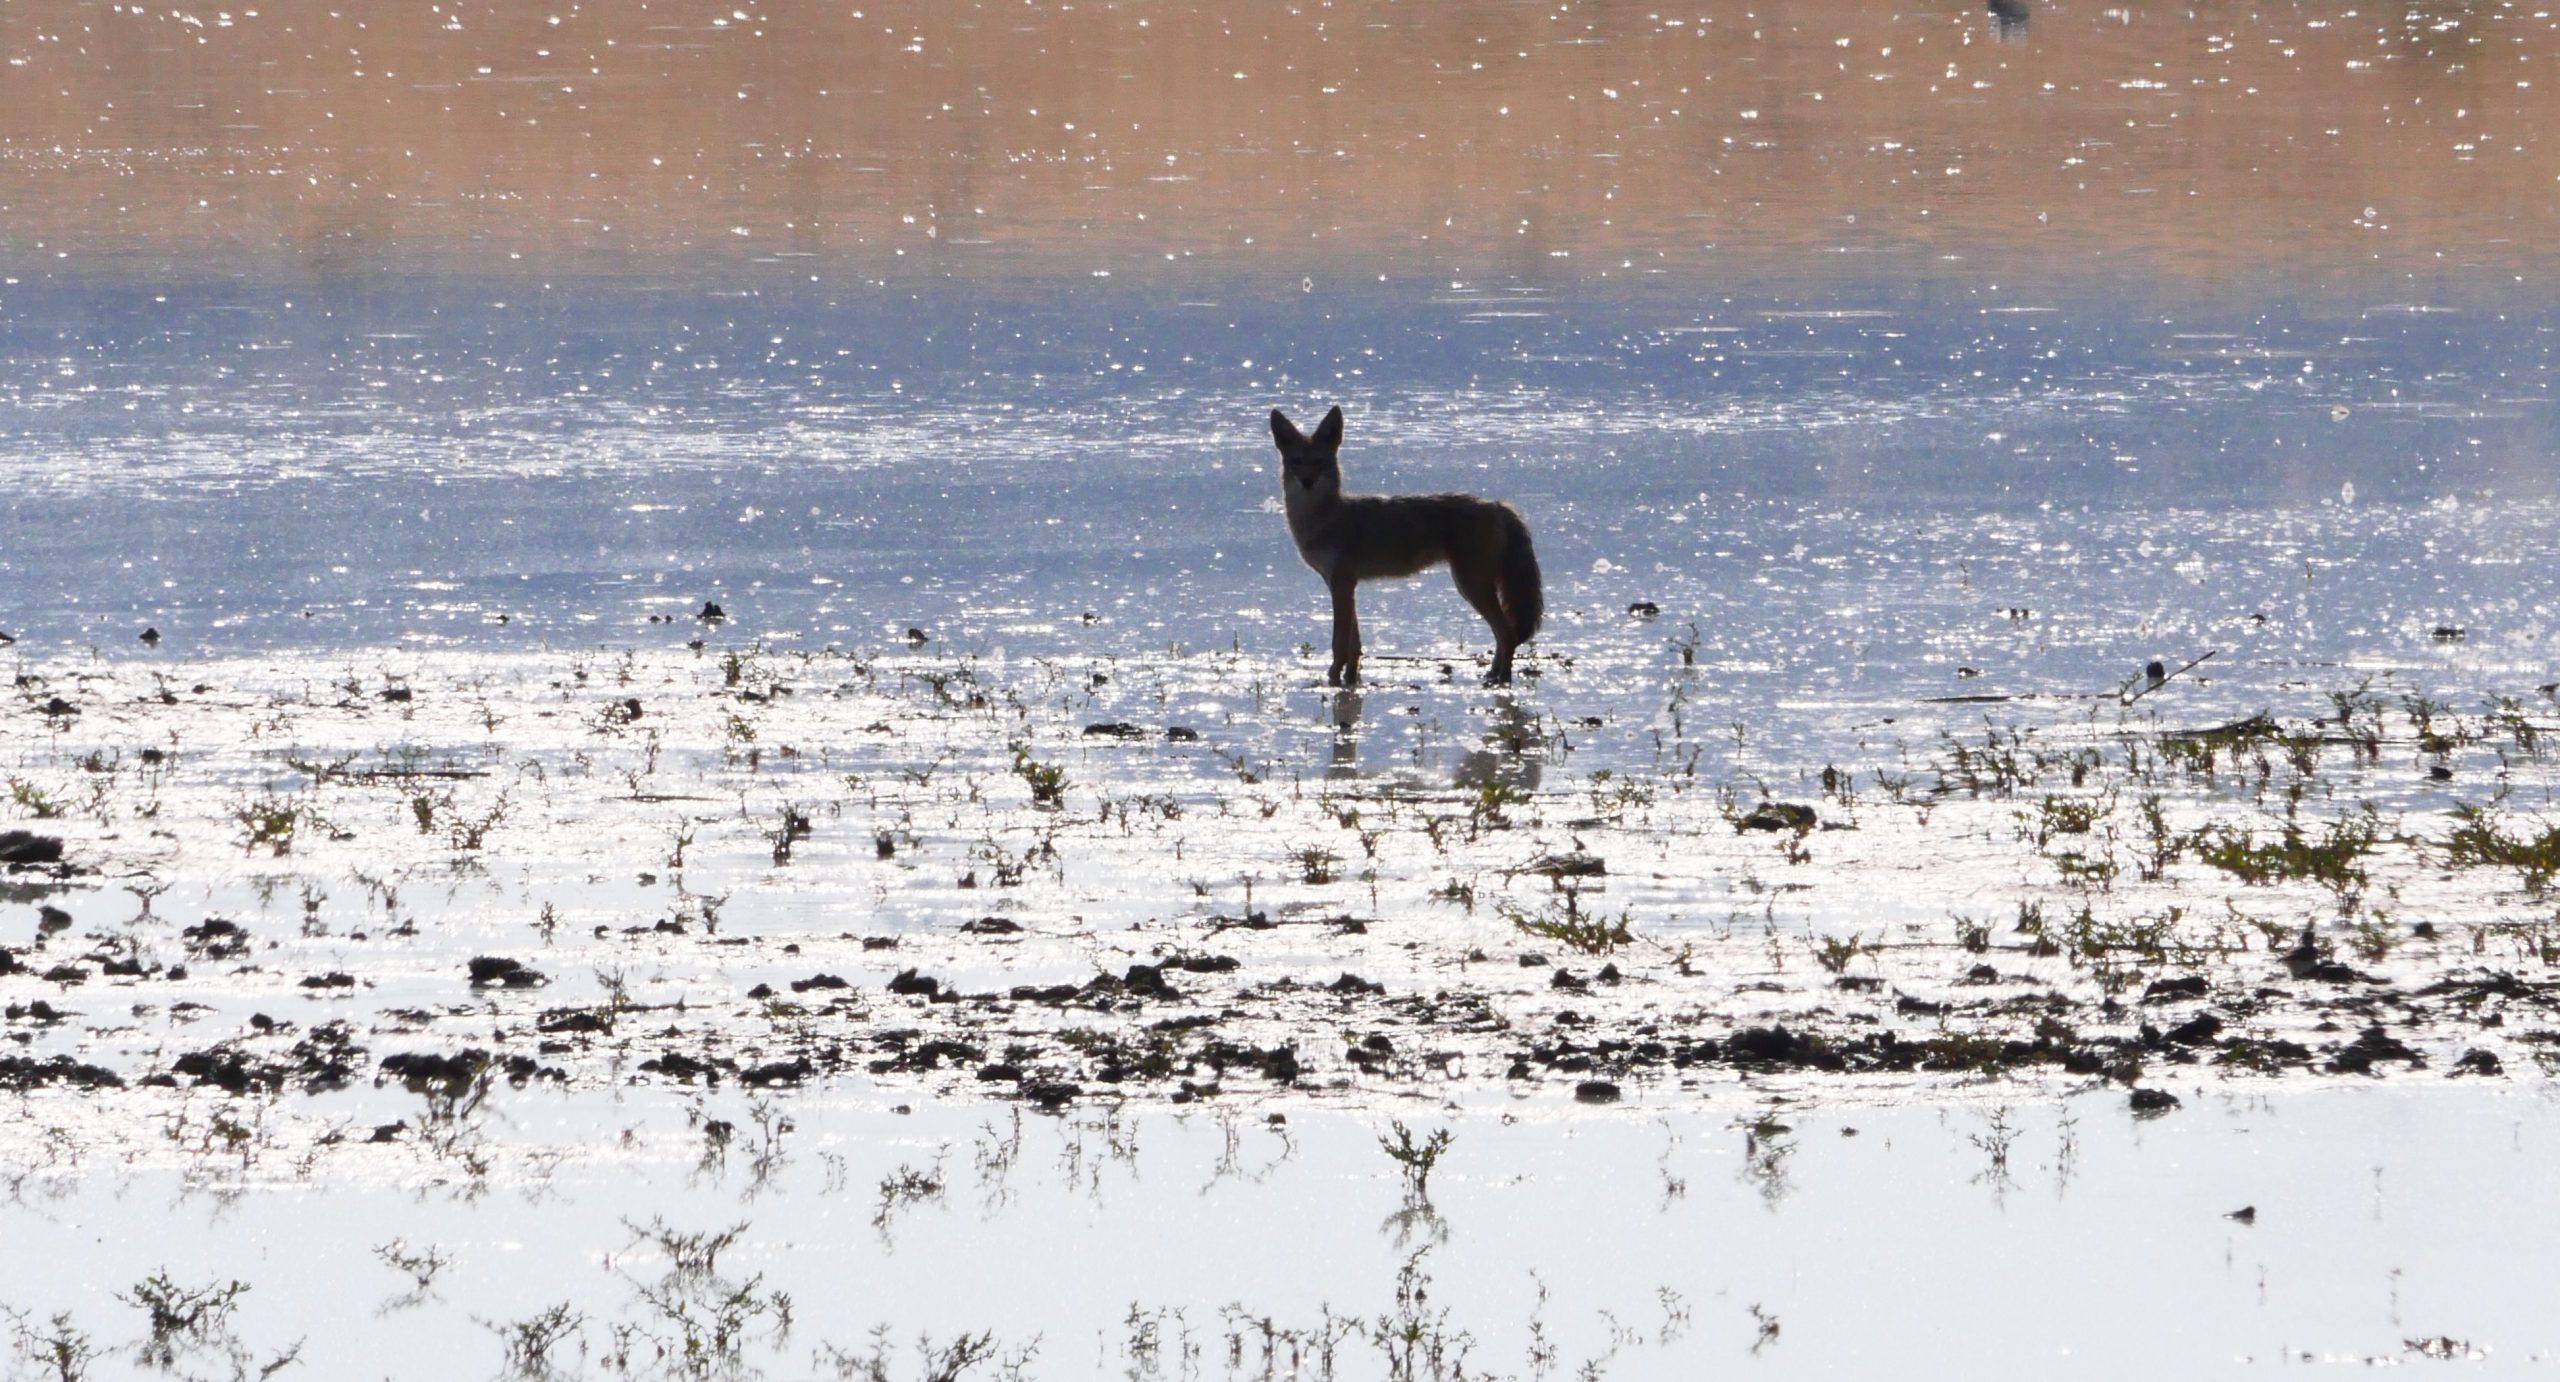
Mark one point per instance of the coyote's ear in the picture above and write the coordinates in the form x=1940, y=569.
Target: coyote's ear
x=1329, y=432
x=1284, y=431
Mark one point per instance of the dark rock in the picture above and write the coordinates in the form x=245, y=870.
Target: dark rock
x=1596, y=1092
x=910, y=983
x=215, y=939
x=683, y=1069
x=574, y=1020
x=711, y=612
x=1644, y=609
x=21, y=1073
x=1351, y=983
x=1114, y=729
x=1000, y=1071
x=2198, y=1031
x=777, y=1072
x=429, y=1072
x=991, y=926
x=2151, y=1103
x=2372, y=1045
x=334, y=979
x=50, y=919
x=494, y=971
x=2165, y=990
x=1181, y=734
x=1779, y=815
x=830, y=981
x=1776, y=1046
x=27, y=847
x=2478, y=1062
x=1050, y=1095
x=227, y=1069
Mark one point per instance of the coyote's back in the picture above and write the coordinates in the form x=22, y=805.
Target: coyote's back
x=1349, y=539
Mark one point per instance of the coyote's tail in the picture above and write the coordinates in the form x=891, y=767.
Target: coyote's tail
x=1524, y=596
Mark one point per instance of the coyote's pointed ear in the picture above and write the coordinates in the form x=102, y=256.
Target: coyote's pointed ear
x=1285, y=432
x=1329, y=432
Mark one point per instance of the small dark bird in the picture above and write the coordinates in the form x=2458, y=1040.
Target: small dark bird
x=2155, y=672
x=2246, y=1214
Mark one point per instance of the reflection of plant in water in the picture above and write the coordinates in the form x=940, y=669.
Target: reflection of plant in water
x=1993, y=1142
x=1767, y=1144
x=1416, y=1340
x=61, y=1348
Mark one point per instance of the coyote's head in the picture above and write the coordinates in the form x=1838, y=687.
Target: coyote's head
x=1309, y=466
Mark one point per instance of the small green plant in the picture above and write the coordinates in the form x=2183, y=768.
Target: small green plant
x=903, y=1187
x=268, y=822
x=467, y=833
x=1415, y=1157
x=33, y=800
x=1563, y=921
x=2059, y=815
x=181, y=1315
x=1835, y=953
x=687, y=1254
x=1973, y=936
x=1317, y=866
x=529, y=1341
x=1047, y=781
x=1492, y=806
x=421, y=1268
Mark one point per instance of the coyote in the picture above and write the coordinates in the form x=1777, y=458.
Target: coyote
x=1350, y=539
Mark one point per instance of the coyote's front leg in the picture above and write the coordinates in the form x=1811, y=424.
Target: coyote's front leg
x=1346, y=633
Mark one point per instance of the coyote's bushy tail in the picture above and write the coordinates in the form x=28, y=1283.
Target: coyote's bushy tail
x=1524, y=595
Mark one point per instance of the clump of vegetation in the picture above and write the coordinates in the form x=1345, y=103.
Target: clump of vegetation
x=2335, y=859
x=2478, y=838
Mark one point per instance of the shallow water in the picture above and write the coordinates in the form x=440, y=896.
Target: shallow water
x=2062, y=1238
